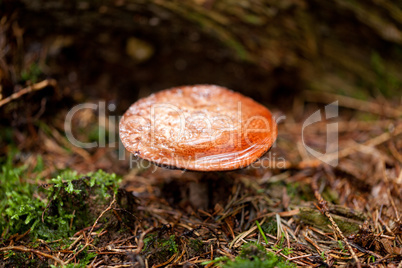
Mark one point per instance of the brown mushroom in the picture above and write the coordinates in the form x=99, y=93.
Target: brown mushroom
x=200, y=128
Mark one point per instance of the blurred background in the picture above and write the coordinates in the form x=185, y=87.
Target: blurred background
x=280, y=53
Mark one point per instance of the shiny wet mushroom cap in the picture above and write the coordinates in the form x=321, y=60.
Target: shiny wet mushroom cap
x=201, y=127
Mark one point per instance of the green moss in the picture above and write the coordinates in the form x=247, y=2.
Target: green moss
x=253, y=250
x=252, y=255
x=347, y=224
x=66, y=205
x=196, y=245
x=159, y=249
x=21, y=259
x=170, y=244
x=387, y=83
x=270, y=227
x=299, y=191
x=6, y=136
x=148, y=242
x=280, y=246
x=84, y=259
x=341, y=246
x=32, y=73
x=18, y=210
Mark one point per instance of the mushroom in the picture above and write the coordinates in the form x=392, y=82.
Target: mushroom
x=198, y=128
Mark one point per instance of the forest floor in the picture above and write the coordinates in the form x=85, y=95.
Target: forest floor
x=63, y=205
x=288, y=209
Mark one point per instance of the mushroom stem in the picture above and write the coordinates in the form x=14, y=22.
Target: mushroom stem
x=210, y=189
x=199, y=194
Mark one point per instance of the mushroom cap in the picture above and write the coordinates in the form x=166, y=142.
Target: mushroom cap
x=200, y=127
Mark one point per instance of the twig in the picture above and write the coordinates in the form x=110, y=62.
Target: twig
x=34, y=87
x=24, y=249
x=103, y=212
x=87, y=242
x=399, y=179
x=348, y=102
x=308, y=239
x=343, y=126
x=299, y=257
x=166, y=262
x=351, y=149
x=141, y=240
x=242, y=235
x=325, y=210
x=395, y=152
x=181, y=255
x=75, y=242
